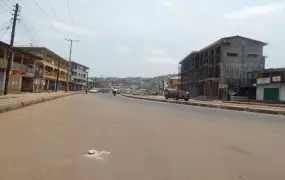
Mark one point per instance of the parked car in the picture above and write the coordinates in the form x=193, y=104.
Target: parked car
x=177, y=94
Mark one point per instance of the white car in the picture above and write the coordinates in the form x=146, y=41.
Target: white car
x=93, y=90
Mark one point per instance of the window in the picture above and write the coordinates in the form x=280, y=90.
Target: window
x=232, y=54
x=252, y=55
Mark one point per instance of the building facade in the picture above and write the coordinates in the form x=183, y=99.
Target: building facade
x=269, y=84
x=47, y=70
x=22, y=71
x=221, y=66
x=174, y=82
x=78, y=79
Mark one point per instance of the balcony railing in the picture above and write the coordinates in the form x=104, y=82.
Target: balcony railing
x=50, y=74
x=19, y=67
x=63, y=78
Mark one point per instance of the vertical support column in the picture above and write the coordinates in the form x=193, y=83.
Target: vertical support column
x=204, y=85
x=47, y=84
x=22, y=59
x=5, y=55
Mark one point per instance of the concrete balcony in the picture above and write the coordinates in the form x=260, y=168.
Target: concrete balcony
x=29, y=72
x=50, y=75
x=18, y=67
x=63, y=78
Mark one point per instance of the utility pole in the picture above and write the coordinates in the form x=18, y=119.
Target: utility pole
x=56, y=85
x=87, y=82
x=10, y=56
x=71, y=42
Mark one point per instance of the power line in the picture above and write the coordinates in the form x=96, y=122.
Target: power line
x=4, y=33
x=29, y=29
x=42, y=11
x=12, y=2
x=54, y=12
x=8, y=26
x=5, y=7
x=71, y=19
x=28, y=33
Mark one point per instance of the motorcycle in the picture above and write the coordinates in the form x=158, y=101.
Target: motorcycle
x=114, y=93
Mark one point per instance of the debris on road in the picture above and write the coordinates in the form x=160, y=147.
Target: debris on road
x=97, y=154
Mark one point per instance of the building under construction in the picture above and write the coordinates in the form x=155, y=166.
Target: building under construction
x=221, y=66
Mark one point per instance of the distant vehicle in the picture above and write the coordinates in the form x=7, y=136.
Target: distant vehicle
x=117, y=91
x=140, y=93
x=93, y=90
x=177, y=94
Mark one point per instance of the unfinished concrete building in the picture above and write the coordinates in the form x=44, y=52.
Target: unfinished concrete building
x=221, y=66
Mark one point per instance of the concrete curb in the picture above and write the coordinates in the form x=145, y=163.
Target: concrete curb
x=9, y=107
x=30, y=102
x=48, y=98
x=216, y=106
x=17, y=105
x=235, y=108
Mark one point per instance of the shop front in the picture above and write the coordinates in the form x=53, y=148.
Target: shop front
x=39, y=84
x=15, y=82
x=50, y=84
x=270, y=90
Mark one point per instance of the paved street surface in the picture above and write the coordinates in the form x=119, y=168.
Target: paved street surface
x=138, y=140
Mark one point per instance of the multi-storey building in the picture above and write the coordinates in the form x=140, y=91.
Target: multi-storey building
x=22, y=71
x=47, y=69
x=78, y=78
x=221, y=66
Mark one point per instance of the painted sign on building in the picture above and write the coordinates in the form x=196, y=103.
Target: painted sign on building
x=276, y=78
x=263, y=81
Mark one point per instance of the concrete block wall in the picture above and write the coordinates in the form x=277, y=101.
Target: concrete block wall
x=238, y=66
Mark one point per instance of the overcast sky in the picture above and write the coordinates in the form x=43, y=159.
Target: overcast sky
x=144, y=37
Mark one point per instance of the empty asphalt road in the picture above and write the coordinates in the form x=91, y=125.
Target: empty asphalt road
x=138, y=140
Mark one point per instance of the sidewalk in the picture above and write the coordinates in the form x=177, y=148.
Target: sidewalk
x=15, y=101
x=257, y=108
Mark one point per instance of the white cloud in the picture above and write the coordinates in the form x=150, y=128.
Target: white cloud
x=123, y=50
x=173, y=5
x=69, y=28
x=257, y=11
x=159, y=52
x=159, y=56
x=169, y=3
x=162, y=60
